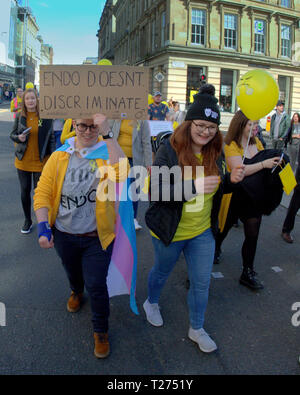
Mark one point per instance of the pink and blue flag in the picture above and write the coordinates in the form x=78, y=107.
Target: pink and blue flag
x=121, y=278
x=122, y=270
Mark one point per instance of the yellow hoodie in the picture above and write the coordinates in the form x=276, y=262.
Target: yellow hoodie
x=48, y=191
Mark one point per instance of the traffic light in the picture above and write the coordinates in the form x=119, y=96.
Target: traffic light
x=202, y=79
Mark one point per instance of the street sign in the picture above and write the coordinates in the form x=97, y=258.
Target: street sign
x=159, y=77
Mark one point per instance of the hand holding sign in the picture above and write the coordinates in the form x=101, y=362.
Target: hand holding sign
x=101, y=121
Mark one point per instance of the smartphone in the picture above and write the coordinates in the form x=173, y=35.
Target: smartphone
x=26, y=131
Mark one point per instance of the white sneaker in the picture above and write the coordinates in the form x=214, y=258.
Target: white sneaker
x=152, y=313
x=205, y=343
x=137, y=225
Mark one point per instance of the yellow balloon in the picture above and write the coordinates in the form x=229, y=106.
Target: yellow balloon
x=257, y=93
x=150, y=99
x=104, y=62
x=29, y=85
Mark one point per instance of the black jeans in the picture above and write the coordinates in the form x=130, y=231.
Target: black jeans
x=86, y=264
x=294, y=206
x=26, y=179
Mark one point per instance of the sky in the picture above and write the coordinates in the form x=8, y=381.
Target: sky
x=70, y=26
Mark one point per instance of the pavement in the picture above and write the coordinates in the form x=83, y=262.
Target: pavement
x=257, y=333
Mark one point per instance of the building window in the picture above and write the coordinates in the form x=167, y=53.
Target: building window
x=153, y=31
x=284, y=83
x=259, y=36
x=285, y=3
x=230, y=31
x=227, y=90
x=163, y=29
x=286, y=41
x=198, y=26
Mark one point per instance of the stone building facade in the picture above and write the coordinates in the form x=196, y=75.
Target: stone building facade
x=182, y=41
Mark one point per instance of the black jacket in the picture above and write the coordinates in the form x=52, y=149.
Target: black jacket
x=163, y=217
x=46, y=139
x=264, y=187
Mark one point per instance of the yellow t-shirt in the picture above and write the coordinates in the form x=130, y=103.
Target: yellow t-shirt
x=195, y=217
x=234, y=150
x=31, y=160
x=125, y=137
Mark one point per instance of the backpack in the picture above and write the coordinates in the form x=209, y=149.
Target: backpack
x=157, y=140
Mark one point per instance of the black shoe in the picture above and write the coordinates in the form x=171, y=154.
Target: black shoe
x=287, y=237
x=26, y=228
x=248, y=278
x=217, y=257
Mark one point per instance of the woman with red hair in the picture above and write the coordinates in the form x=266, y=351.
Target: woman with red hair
x=183, y=213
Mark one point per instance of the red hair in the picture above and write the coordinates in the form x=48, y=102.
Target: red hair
x=181, y=141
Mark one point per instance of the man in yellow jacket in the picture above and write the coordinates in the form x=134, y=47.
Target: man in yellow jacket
x=75, y=217
x=16, y=103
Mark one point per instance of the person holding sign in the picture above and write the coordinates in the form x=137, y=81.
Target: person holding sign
x=188, y=222
x=240, y=147
x=71, y=196
x=34, y=142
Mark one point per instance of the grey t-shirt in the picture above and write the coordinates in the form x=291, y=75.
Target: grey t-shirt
x=76, y=214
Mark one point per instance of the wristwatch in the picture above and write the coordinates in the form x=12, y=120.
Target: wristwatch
x=109, y=135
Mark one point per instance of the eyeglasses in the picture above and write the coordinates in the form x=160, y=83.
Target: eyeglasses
x=83, y=127
x=201, y=128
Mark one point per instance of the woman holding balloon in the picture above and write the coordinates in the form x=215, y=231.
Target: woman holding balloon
x=238, y=151
x=254, y=96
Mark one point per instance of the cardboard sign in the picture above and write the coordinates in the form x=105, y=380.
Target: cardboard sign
x=160, y=126
x=119, y=92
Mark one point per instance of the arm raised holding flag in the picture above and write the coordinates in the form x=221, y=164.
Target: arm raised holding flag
x=83, y=228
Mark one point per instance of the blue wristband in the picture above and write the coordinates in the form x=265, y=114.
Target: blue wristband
x=44, y=230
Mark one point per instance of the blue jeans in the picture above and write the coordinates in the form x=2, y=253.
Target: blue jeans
x=86, y=264
x=199, y=256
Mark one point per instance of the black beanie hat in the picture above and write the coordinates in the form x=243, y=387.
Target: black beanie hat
x=205, y=106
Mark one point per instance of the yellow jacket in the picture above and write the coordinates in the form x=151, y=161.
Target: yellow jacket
x=48, y=192
x=13, y=104
x=66, y=132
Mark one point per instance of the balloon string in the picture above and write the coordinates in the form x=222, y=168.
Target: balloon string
x=249, y=137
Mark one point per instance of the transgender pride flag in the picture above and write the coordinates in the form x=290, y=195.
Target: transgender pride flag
x=122, y=270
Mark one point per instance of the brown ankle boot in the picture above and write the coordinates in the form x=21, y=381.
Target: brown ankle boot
x=101, y=345
x=74, y=302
